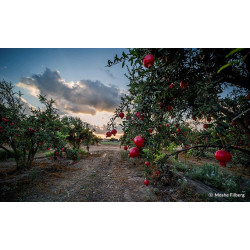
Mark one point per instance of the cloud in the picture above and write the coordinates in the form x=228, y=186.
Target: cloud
x=27, y=106
x=103, y=129
x=84, y=96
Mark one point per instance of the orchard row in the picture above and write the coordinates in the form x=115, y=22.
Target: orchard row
x=40, y=130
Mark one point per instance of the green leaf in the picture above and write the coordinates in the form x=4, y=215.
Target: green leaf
x=228, y=64
x=233, y=51
x=223, y=67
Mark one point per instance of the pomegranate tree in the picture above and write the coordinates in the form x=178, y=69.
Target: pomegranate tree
x=187, y=91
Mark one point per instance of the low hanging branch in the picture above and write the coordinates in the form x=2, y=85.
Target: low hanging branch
x=4, y=148
x=206, y=146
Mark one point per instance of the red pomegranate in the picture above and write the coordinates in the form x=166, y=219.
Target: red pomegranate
x=108, y=134
x=193, y=117
x=169, y=107
x=205, y=126
x=171, y=85
x=139, y=141
x=148, y=61
x=157, y=172
x=147, y=163
x=133, y=152
x=178, y=130
x=183, y=84
x=121, y=115
x=125, y=147
x=5, y=120
x=146, y=182
x=222, y=156
x=150, y=130
x=167, y=125
x=113, y=131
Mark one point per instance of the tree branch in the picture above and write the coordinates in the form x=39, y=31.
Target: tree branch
x=4, y=148
x=207, y=146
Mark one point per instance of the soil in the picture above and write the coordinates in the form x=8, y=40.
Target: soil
x=102, y=176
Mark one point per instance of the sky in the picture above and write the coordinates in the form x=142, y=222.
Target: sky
x=77, y=79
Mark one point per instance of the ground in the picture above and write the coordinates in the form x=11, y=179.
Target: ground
x=102, y=176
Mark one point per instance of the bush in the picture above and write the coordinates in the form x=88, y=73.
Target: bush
x=72, y=154
x=6, y=155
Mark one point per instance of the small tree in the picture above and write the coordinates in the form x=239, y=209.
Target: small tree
x=26, y=134
x=78, y=132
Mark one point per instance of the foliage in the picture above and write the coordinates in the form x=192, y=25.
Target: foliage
x=212, y=176
x=26, y=133
x=79, y=132
x=23, y=134
x=183, y=104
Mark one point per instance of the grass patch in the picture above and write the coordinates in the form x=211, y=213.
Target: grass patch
x=212, y=176
x=49, y=154
x=5, y=155
x=124, y=155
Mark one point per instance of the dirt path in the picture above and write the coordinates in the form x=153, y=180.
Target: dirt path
x=103, y=176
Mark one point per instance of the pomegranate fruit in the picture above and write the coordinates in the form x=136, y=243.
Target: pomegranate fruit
x=169, y=107
x=125, y=147
x=108, y=134
x=147, y=163
x=133, y=152
x=139, y=141
x=223, y=156
x=148, y=61
x=121, y=115
x=171, y=85
x=150, y=130
x=183, y=84
x=178, y=130
x=113, y=131
x=146, y=182
x=205, y=126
